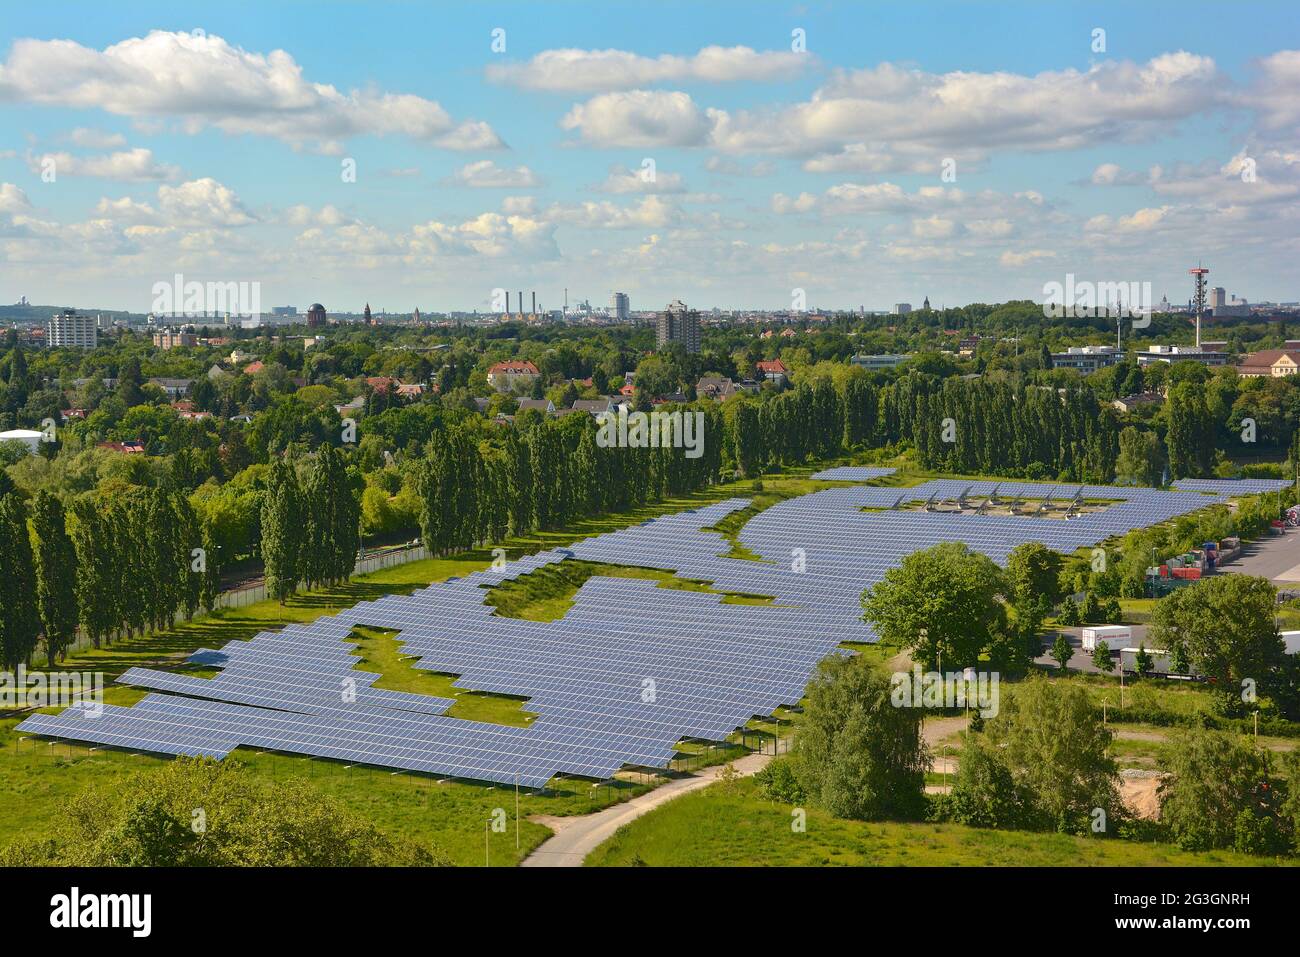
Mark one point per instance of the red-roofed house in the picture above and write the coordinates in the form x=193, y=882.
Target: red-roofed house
x=503, y=376
x=130, y=446
x=1269, y=363
x=254, y=367
x=773, y=370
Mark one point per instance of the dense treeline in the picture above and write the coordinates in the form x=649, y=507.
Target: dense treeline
x=117, y=564
x=1002, y=428
x=311, y=532
x=478, y=486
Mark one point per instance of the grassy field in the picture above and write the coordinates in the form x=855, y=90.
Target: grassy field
x=734, y=826
x=39, y=778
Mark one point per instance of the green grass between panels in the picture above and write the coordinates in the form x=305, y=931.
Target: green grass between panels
x=381, y=651
x=548, y=593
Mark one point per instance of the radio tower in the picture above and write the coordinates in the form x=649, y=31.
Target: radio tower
x=1198, y=301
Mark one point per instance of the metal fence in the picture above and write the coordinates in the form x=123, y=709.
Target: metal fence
x=252, y=594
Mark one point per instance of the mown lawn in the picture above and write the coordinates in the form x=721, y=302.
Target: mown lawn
x=734, y=826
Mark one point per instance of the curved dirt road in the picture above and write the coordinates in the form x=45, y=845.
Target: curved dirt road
x=576, y=837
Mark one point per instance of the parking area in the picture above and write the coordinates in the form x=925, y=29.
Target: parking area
x=1276, y=558
x=1082, y=660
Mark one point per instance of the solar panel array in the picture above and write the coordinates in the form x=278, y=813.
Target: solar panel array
x=1233, y=486
x=627, y=672
x=853, y=473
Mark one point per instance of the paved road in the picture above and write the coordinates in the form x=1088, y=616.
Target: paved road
x=1276, y=557
x=576, y=837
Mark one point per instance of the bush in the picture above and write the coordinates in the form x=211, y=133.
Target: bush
x=858, y=755
x=778, y=782
x=1069, y=613
x=1219, y=794
x=1258, y=834
x=984, y=794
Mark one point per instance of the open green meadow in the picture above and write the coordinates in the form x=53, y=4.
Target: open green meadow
x=732, y=825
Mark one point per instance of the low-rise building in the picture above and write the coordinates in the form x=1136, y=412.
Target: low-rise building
x=773, y=370
x=1086, y=359
x=1173, y=354
x=29, y=437
x=540, y=405
x=175, y=388
x=1271, y=363
x=877, y=362
x=128, y=447
x=1138, y=400
x=593, y=406
x=715, y=387
x=505, y=376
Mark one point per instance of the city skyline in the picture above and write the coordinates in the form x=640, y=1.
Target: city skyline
x=722, y=157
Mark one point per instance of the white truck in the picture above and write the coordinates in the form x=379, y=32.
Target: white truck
x=1115, y=636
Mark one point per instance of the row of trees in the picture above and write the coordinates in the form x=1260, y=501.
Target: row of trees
x=111, y=564
x=543, y=476
x=311, y=531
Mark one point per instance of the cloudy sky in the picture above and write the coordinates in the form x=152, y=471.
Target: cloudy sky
x=726, y=154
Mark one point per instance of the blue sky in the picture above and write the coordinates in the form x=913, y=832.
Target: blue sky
x=213, y=155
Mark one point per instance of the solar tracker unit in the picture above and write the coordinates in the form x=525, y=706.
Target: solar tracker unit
x=633, y=667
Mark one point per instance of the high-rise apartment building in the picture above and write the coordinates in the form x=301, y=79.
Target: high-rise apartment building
x=620, y=307
x=677, y=323
x=70, y=329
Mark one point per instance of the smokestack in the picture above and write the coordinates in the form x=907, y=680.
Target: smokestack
x=507, y=302
x=521, y=300
x=534, y=302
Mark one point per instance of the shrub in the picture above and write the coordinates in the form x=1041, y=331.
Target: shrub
x=778, y=782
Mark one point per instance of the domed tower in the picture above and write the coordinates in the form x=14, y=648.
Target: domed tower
x=316, y=316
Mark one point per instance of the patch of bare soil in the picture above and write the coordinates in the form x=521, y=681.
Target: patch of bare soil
x=1138, y=789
